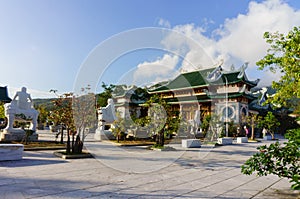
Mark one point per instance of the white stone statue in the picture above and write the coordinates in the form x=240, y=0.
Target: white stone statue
x=21, y=109
x=195, y=123
x=106, y=115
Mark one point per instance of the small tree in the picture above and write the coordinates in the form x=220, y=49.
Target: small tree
x=215, y=129
x=205, y=124
x=270, y=123
x=63, y=115
x=84, y=112
x=253, y=120
x=43, y=114
x=120, y=126
x=158, y=113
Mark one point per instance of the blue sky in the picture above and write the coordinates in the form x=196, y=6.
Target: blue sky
x=43, y=44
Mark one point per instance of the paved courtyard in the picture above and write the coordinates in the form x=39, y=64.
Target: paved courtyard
x=135, y=172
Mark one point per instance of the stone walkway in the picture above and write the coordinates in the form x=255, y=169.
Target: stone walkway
x=135, y=172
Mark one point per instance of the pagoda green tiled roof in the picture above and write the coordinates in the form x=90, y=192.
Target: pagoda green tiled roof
x=208, y=98
x=3, y=95
x=198, y=79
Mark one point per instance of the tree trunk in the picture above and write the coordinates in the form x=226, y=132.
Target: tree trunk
x=73, y=142
x=62, y=135
x=82, y=134
x=68, y=142
x=118, y=137
x=160, y=138
x=252, y=132
x=78, y=145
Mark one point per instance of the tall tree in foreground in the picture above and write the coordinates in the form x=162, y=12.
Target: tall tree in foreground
x=281, y=160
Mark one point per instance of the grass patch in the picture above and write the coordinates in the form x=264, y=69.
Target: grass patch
x=157, y=146
x=133, y=142
x=45, y=144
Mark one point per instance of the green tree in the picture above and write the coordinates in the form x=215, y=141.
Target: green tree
x=281, y=160
x=253, y=120
x=161, y=118
x=284, y=56
x=105, y=95
x=120, y=126
x=205, y=124
x=43, y=114
x=158, y=116
x=270, y=123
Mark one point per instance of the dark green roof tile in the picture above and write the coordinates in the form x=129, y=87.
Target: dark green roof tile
x=198, y=79
x=3, y=95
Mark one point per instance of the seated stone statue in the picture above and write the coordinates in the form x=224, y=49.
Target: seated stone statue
x=107, y=114
x=21, y=108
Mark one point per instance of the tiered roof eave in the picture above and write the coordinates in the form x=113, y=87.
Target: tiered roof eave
x=198, y=79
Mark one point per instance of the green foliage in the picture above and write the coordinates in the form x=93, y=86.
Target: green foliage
x=284, y=56
x=279, y=160
x=162, y=118
x=62, y=114
x=28, y=133
x=269, y=122
x=253, y=120
x=215, y=128
x=105, y=95
x=205, y=123
x=232, y=129
x=43, y=114
x=120, y=126
x=2, y=115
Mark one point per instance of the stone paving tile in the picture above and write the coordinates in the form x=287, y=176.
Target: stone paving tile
x=198, y=173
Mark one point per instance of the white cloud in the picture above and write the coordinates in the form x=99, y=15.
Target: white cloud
x=157, y=70
x=242, y=37
x=164, y=23
x=238, y=40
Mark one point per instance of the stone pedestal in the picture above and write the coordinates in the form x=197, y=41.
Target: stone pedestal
x=190, y=143
x=267, y=137
x=11, y=152
x=225, y=141
x=16, y=135
x=103, y=135
x=241, y=140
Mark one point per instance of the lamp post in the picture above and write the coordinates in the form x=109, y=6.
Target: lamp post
x=226, y=105
x=215, y=75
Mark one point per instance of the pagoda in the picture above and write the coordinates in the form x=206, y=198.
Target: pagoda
x=226, y=93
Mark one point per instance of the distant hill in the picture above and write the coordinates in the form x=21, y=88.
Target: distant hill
x=47, y=103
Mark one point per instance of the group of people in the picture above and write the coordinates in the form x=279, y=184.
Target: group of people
x=248, y=133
